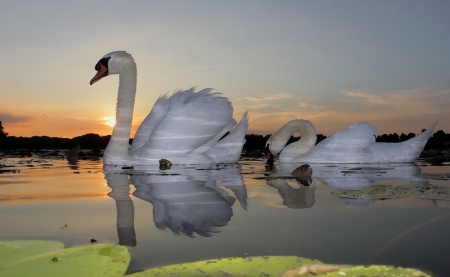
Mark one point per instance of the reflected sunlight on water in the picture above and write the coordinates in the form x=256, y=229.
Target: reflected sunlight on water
x=50, y=180
x=230, y=211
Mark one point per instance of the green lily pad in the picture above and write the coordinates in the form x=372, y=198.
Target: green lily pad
x=11, y=251
x=22, y=258
x=392, y=191
x=375, y=271
x=284, y=266
x=435, y=176
x=249, y=266
x=48, y=258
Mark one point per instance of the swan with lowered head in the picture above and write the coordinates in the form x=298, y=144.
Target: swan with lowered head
x=185, y=128
x=355, y=144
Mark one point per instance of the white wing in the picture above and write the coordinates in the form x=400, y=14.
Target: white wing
x=149, y=124
x=406, y=151
x=346, y=146
x=192, y=119
x=229, y=149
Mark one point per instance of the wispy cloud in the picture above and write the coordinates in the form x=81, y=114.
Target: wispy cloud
x=380, y=108
x=11, y=118
x=269, y=112
x=415, y=101
x=231, y=65
x=267, y=98
x=311, y=107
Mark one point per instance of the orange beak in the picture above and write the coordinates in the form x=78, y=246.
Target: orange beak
x=102, y=72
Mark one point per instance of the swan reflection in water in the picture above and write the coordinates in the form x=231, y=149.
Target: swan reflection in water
x=295, y=198
x=340, y=177
x=186, y=201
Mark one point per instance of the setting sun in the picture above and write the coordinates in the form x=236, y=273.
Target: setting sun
x=110, y=121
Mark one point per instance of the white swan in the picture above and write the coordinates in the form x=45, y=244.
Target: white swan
x=184, y=128
x=355, y=144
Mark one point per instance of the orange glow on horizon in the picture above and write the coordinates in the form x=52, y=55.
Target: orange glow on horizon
x=110, y=121
x=260, y=123
x=20, y=198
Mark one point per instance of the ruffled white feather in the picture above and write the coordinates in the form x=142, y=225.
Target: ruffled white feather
x=355, y=144
x=184, y=128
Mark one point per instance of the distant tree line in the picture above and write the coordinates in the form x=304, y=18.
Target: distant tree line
x=439, y=140
x=3, y=135
x=88, y=141
x=258, y=142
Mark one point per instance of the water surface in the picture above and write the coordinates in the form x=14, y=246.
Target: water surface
x=193, y=213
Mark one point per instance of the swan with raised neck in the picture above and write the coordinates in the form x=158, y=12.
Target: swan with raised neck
x=184, y=128
x=122, y=63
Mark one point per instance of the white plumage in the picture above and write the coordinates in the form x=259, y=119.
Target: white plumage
x=355, y=144
x=184, y=128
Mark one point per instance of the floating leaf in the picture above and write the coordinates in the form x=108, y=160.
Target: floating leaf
x=249, y=266
x=106, y=260
x=11, y=251
x=392, y=191
x=375, y=271
x=285, y=266
x=48, y=258
x=435, y=176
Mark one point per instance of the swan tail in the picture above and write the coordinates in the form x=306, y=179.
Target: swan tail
x=237, y=134
x=406, y=151
x=229, y=149
x=417, y=144
x=204, y=148
x=425, y=135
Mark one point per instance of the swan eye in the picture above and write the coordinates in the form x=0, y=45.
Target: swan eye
x=102, y=70
x=103, y=61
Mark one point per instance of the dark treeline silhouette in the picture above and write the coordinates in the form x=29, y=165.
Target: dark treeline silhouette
x=88, y=141
x=394, y=137
x=258, y=142
x=3, y=135
x=439, y=140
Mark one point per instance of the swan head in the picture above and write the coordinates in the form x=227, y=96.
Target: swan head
x=277, y=141
x=112, y=63
x=273, y=148
x=274, y=145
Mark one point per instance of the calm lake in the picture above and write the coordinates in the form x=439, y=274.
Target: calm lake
x=187, y=214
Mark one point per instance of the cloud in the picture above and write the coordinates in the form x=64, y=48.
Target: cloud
x=414, y=101
x=273, y=97
x=268, y=103
x=10, y=118
x=269, y=112
x=229, y=65
x=389, y=111
x=219, y=66
x=310, y=107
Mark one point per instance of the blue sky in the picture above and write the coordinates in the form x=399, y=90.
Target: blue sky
x=332, y=62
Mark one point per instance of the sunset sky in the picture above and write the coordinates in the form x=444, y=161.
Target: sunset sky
x=332, y=62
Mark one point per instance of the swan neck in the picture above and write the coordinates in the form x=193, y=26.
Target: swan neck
x=119, y=143
x=304, y=144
